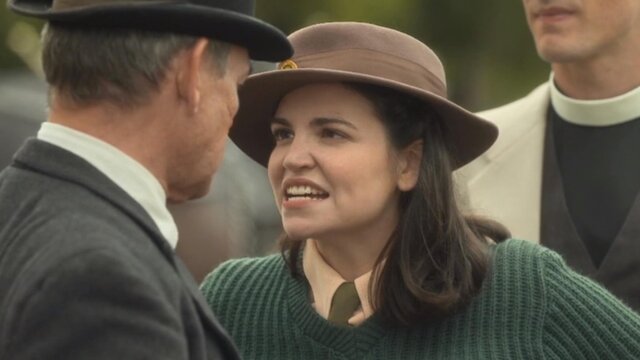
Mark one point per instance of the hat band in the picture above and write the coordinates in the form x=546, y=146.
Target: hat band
x=376, y=64
x=240, y=6
x=75, y=4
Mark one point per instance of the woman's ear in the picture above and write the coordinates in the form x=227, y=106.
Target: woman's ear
x=410, y=159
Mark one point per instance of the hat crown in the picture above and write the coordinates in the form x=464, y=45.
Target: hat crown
x=230, y=21
x=361, y=53
x=370, y=50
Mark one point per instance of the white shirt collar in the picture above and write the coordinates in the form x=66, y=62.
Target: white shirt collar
x=324, y=281
x=123, y=170
x=601, y=112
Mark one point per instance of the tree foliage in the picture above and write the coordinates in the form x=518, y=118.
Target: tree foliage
x=485, y=45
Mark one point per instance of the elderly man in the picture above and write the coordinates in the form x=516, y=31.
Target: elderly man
x=142, y=95
x=566, y=168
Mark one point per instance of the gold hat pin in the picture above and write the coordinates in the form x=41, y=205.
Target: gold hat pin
x=288, y=65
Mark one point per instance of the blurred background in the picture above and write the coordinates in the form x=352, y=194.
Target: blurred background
x=485, y=46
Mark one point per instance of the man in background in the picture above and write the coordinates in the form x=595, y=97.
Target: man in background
x=565, y=170
x=142, y=95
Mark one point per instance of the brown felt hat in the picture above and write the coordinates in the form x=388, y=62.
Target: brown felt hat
x=226, y=20
x=356, y=52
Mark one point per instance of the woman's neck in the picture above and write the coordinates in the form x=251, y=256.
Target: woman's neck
x=351, y=257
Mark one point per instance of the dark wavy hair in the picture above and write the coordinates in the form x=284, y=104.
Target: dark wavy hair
x=437, y=258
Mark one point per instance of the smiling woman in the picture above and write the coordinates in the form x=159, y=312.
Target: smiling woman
x=378, y=262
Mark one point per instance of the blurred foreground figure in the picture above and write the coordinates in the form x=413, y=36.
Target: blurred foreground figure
x=142, y=95
x=236, y=218
x=565, y=170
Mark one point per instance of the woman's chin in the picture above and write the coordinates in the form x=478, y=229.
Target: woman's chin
x=297, y=235
x=298, y=232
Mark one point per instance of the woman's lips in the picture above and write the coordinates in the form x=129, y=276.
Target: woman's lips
x=300, y=192
x=300, y=202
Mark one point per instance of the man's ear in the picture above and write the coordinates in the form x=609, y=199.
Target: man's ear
x=189, y=78
x=410, y=159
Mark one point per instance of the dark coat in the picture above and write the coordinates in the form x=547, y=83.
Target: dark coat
x=86, y=274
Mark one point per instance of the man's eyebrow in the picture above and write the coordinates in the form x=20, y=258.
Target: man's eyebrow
x=320, y=121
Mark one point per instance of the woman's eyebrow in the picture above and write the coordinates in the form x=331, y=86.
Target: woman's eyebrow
x=320, y=121
x=280, y=121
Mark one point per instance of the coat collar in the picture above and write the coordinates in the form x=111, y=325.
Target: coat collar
x=528, y=112
x=45, y=158
x=51, y=160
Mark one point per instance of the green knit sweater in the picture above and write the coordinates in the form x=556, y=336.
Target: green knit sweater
x=531, y=307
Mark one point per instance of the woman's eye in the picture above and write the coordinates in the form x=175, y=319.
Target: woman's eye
x=280, y=134
x=333, y=134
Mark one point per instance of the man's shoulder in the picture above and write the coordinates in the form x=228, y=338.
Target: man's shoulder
x=532, y=102
x=46, y=223
x=71, y=198
x=65, y=175
x=104, y=292
x=31, y=201
x=515, y=121
x=44, y=242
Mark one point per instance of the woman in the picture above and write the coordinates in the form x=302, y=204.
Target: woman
x=377, y=260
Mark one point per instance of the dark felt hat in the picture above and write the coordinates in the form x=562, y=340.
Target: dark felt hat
x=226, y=20
x=356, y=52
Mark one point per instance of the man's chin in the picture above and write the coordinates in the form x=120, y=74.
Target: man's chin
x=557, y=51
x=192, y=192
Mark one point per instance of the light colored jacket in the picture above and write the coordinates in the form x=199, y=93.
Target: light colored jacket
x=505, y=183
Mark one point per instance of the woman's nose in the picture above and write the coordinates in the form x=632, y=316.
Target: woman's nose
x=298, y=155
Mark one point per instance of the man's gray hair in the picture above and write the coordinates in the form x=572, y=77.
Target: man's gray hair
x=122, y=67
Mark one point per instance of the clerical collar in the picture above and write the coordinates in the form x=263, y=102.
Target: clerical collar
x=601, y=112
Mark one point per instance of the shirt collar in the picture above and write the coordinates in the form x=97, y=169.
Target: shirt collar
x=601, y=112
x=324, y=281
x=123, y=170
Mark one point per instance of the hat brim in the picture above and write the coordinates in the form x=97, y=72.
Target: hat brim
x=469, y=135
x=263, y=41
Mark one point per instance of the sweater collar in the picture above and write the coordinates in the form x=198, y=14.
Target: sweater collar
x=601, y=112
x=311, y=324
